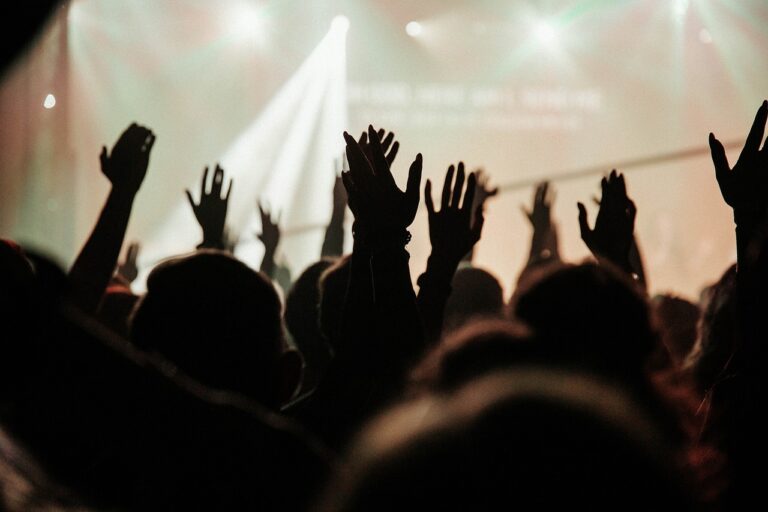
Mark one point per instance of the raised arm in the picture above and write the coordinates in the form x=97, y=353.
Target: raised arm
x=211, y=210
x=612, y=237
x=745, y=189
x=453, y=231
x=125, y=167
x=270, y=237
x=382, y=215
x=333, y=242
x=738, y=398
x=544, y=241
x=483, y=192
x=128, y=269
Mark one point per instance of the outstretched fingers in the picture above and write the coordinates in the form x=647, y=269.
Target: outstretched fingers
x=755, y=137
x=446, y=196
x=469, y=196
x=203, y=184
x=380, y=165
x=458, y=187
x=192, y=202
x=359, y=166
x=386, y=141
x=393, y=153
x=218, y=181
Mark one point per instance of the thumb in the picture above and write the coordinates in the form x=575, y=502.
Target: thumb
x=719, y=158
x=414, y=183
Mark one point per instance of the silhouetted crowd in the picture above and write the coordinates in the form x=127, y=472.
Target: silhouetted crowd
x=358, y=390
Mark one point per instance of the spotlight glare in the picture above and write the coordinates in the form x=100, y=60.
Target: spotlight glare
x=414, y=29
x=245, y=21
x=545, y=33
x=340, y=23
x=50, y=101
x=680, y=9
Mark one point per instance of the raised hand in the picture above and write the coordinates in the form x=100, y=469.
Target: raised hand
x=333, y=241
x=126, y=165
x=540, y=213
x=270, y=237
x=613, y=233
x=483, y=191
x=745, y=186
x=339, y=194
x=389, y=145
x=544, y=243
x=128, y=269
x=457, y=226
x=381, y=209
x=270, y=229
x=211, y=211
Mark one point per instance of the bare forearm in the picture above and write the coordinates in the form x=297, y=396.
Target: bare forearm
x=333, y=243
x=268, y=263
x=94, y=266
x=434, y=290
x=400, y=330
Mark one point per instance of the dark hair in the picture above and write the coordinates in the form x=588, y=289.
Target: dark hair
x=529, y=436
x=589, y=313
x=716, y=340
x=475, y=293
x=677, y=322
x=333, y=290
x=216, y=319
x=302, y=319
x=478, y=348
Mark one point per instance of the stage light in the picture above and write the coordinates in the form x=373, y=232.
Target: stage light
x=50, y=101
x=245, y=21
x=545, y=33
x=275, y=158
x=680, y=9
x=340, y=23
x=414, y=29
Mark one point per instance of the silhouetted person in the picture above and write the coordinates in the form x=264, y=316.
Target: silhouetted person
x=476, y=349
x=219, y=322
x=591, y=314
x=302, y=318
x=333, y=292
x=475, y=293
x=709, y=356
x=127, y=431
x=529, y=439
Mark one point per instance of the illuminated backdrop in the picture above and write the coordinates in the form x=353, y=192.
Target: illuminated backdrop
x=526, y=90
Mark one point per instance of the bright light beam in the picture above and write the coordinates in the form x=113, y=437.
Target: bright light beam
x=285, y=156
x=340, y=23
